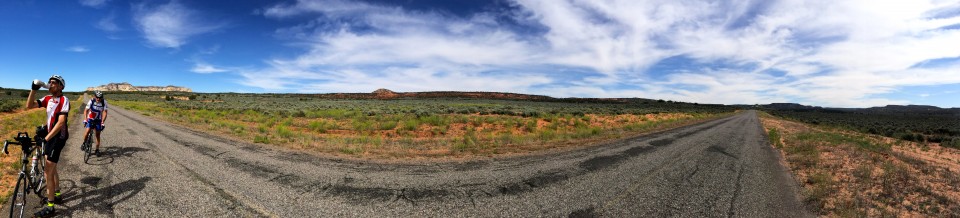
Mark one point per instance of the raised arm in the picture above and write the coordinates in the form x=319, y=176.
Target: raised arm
x=34, y=86
x=31, y=102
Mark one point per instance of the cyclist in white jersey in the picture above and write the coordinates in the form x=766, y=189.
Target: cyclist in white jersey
x=96, y=113
x=58, y=107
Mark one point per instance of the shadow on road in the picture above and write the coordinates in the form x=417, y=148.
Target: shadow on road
x=101, y=200
x=109, y=154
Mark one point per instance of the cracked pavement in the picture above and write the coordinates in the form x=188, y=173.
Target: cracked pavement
x=719, y=168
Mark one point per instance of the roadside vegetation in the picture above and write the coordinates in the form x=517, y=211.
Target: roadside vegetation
x=12, y=99
x=919, y=124
x=848, y=173
x=404, y=128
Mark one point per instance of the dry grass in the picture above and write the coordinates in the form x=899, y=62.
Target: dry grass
x=404, y=136
x=850, y=174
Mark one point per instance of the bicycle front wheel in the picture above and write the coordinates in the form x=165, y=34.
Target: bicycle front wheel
x=18, y=202
x=87, y=147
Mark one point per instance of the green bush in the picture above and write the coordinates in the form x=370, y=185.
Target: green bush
x=10, y=105
x=387, y=125
x=322, y=126
x=547, y=135
x=531, y=126
x=261, y=139
x=410, y=125
x=362, y=125
x=284, y=131
x=952, y=143
x=774, y=137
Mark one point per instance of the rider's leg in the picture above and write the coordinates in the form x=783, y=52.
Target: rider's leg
x=56, y=182
x=85, y=134
x=98, y=139
x=50, y=172
x=52, y=154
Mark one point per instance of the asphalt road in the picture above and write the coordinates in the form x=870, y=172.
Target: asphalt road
x=721, y=168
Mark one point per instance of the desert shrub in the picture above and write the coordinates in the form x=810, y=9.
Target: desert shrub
x=284, y=132
x=261, y=139
x=774, y=136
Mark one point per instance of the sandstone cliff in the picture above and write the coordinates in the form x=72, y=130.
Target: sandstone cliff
x=130, y=88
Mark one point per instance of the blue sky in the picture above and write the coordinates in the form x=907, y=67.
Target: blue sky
x=855, y=53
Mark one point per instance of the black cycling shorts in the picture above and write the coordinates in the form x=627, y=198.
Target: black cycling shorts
x=54, y=146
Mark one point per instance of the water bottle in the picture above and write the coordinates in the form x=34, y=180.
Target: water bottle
x=33, y=162
x=38, y=83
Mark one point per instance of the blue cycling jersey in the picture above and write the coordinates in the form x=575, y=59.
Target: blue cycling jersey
x=96, y=109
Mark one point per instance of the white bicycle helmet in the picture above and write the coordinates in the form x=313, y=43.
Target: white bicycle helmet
x=63, y=83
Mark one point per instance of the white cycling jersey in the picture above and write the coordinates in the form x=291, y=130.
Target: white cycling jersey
x=52, y=104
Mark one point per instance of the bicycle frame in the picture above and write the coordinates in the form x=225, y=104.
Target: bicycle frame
x=30, y=182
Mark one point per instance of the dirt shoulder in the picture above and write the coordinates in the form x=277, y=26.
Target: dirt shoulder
x=845, y=173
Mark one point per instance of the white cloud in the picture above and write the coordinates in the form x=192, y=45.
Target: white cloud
x=201, y=67
x=77, y=49
x=170, y=25
x=108, y=23
x=845, y=54
x=93, y=3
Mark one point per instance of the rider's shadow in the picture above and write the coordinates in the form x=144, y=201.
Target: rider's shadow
x=109, y=154
x=102, y=200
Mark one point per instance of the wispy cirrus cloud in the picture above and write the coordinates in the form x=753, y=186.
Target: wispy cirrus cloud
x=201, y=67
x=170, y=25
x=409, y=51
x=108, y=23
x=846, y=54
x=94, y=3
x=77, y=49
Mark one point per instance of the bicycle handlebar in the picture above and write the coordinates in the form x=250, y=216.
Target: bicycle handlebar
x=22, y=139
x=5, y=143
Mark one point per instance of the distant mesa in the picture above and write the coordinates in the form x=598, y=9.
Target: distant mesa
x=384, y=93
x=788, y=106
x=126, y=87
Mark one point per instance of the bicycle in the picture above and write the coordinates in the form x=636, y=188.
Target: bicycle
x=30, y=178
x=87, y=146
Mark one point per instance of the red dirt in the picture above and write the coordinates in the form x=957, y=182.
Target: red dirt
x=935, y=171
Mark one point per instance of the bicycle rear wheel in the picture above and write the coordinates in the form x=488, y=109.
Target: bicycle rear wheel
x=18, y=202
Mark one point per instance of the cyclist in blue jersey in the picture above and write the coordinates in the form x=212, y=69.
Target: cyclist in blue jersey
x=96, y=112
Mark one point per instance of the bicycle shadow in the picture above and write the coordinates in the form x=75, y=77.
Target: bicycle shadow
x=103, y=199
x=109, y=154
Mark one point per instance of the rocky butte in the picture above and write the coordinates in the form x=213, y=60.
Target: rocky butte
x=130, y=88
